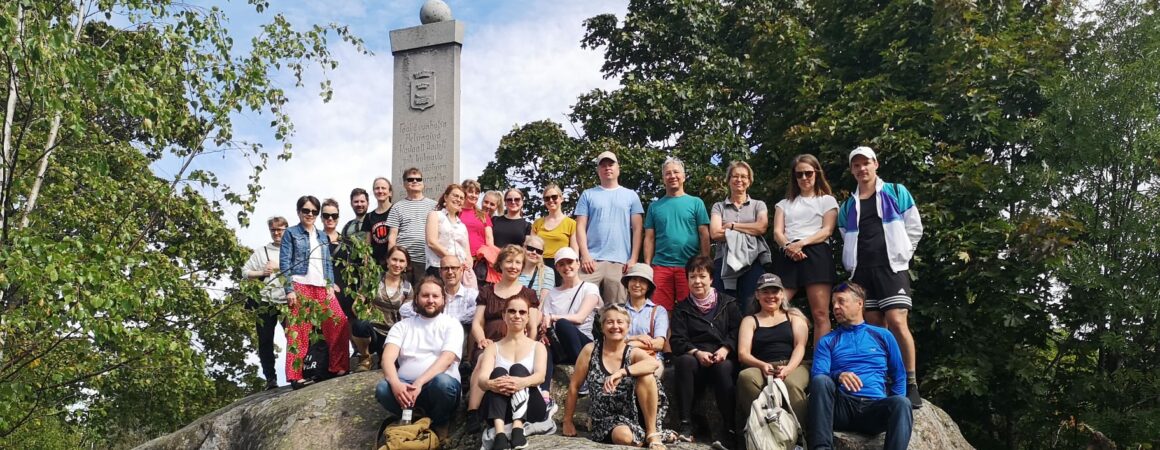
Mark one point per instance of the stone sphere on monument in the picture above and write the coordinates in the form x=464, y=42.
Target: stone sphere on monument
x=434, y=11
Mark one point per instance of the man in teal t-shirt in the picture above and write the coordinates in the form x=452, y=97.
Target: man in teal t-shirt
x=675, y=230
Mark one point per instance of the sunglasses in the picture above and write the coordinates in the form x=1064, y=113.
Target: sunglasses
x=538, y=251
x=308, y=212
x=413, y=179
x=551, y=198
x=330, y=216
x=518, y=312
x=804, y=174
x=513, y=200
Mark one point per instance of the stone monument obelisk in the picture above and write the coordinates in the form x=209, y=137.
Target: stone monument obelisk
x=426, y=107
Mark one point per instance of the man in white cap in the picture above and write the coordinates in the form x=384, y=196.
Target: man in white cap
x=609, y=222
x=880, y=229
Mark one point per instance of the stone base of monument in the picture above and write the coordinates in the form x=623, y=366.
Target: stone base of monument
x=342, y=414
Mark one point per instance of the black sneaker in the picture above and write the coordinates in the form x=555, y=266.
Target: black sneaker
x=685, y=428
x=475, y=424
x=271, y=384
x=912, y=394
x=501, y=442
x=519, y=442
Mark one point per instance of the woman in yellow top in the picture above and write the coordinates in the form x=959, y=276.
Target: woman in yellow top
x=556, y=229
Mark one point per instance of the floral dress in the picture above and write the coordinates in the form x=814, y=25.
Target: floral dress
x=610, y=410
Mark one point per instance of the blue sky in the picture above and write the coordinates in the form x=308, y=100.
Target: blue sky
x=522, y=62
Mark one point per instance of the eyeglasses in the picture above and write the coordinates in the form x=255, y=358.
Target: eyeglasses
x=329, y=216
x=308, y=212
x=518, y=312
x=278, y=230
x=413, y=179
x=805, y=174
x=513, y=200
x=551, y=198
x=538, y=251
x=450, y=268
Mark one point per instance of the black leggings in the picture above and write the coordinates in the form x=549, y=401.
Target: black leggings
x=692, y=378
x=526, y=405
x=264, y=326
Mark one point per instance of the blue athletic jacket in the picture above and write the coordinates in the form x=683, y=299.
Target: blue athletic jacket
x=870, y=352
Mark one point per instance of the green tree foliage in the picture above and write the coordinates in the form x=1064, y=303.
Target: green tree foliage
x=960, y=99
x=112, y=326
x=1102, y=138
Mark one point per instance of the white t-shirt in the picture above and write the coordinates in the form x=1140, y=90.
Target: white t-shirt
x=314, y=274
x=803, y=216
x=422, y=340
x=559, y=300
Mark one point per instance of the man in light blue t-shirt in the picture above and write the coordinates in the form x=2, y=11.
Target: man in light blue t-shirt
x=675, y=230
x=609, y=218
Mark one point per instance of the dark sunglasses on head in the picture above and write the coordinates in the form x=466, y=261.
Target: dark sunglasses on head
x=513, y=200
x=308, y=212
x=538, y=251
x=330, y=216
x=841, y=288
x=413, y=179
x=551, y=198
x=804, y=174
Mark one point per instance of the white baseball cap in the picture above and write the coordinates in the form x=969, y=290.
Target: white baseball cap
x=606, y=155
x=864, y=151
x=566, y=253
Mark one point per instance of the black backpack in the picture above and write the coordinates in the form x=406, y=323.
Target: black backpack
x=317, y=362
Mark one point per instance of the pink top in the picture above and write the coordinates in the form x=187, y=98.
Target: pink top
x=476, y=235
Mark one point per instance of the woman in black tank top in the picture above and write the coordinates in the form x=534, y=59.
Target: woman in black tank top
x=772, y=342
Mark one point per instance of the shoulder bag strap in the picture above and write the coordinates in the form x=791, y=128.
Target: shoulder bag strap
x=533, y=278
x=652, y=321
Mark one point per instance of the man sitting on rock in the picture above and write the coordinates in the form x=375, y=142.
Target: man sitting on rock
x=854, y=365
x=427, y=349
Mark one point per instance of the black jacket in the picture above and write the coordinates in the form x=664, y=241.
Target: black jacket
x=692, y=330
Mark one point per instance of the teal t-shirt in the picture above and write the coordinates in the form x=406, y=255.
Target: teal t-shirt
x=675, y=221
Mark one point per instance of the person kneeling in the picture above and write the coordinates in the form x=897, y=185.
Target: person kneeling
x=853, y=365
x=427, y=349
x=615, y=417
x=517, y=365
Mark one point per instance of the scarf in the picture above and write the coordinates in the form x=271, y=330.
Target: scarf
x=707, y=303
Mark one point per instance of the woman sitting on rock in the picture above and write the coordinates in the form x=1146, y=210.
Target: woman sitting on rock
x=772, y=342
x=516, y=365
x=627, y=403
x=393, y=292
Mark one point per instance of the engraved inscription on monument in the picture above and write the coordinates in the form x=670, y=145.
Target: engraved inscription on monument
x=426, y=99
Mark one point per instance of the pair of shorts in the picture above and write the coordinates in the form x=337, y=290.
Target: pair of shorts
x=818, y=267
x=885, y=288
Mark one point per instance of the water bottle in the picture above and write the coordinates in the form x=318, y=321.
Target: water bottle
x=406, y=420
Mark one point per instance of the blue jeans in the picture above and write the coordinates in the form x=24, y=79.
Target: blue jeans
x=438, y=399
x=573, y=340
x=831, y=409
x=746, y=284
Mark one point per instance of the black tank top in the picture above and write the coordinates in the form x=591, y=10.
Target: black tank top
x=772, y=343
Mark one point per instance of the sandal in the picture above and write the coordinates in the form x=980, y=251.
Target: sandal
x=657, y=444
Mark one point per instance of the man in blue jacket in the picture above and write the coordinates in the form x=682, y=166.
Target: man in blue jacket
x=858, y=380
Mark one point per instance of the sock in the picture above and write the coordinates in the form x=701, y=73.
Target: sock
x=911, y=378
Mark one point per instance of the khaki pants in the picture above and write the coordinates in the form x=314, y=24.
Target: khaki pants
x=751, y=381
x=607, y=278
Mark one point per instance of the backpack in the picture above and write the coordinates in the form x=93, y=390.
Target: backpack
x=772, y=424
x=316, y=365
x=416, y=436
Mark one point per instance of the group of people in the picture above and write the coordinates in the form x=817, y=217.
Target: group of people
x=471, y=292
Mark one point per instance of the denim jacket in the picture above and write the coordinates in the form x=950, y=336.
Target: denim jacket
x=293, y=258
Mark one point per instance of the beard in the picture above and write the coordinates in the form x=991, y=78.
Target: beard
x=423, y=311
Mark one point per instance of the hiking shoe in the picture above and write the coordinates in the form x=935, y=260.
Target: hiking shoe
x=299, y=384
x=475, y=424
x=583, y=391
x=501, y=442
x=913, y=396
x=271, y=384
x=685, y=428
x=519, y=442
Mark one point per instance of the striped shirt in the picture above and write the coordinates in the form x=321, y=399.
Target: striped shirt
x=410, y=218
